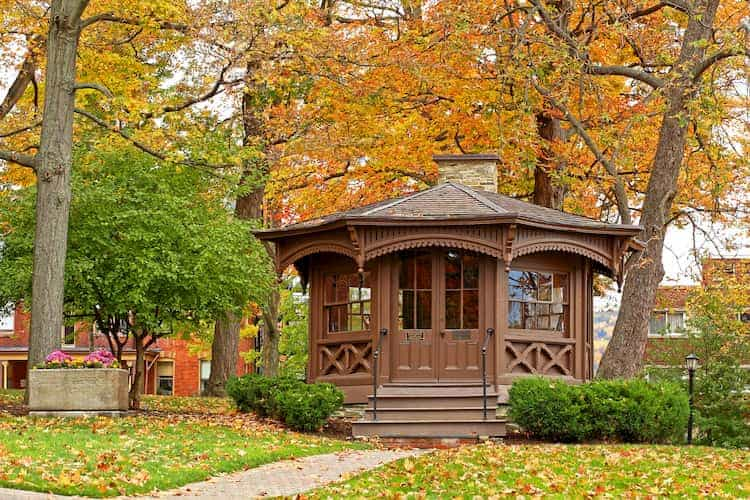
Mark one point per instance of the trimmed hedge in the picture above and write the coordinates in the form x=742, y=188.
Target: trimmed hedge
x=301, y=406
x=632, y=411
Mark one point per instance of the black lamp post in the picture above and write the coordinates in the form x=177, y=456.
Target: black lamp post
x=691, y=363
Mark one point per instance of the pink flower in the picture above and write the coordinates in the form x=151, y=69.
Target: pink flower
x=101, y=356
x=58, y=357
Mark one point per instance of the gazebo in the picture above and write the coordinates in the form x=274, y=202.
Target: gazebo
x=429, y=305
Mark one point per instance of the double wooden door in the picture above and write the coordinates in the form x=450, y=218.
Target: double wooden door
x=439, y=326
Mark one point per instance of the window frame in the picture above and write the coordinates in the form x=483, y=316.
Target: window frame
x=160, y=377
x=412, y=256
x=566, y=303
x=11, y=320
x=668, y=332
x=201, y=381
x=462, y=288
x=328, y=306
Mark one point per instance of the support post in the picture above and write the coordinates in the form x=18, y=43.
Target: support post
x=376, y=373
x=487, y=337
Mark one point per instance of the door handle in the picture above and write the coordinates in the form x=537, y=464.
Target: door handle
x=442, y=333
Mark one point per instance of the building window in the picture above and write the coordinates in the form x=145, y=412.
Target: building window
x=745, y=316
x=415, y=291
x=348, y=299
x=165, y=378
x=666, y=322
x=7, y=315
x=205, y=370
x=538, y=300
x=69, y=335
x=461, y=290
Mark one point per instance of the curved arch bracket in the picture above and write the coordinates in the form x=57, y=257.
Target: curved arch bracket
x=316, y=247
x=563, y=246
x=446, y=242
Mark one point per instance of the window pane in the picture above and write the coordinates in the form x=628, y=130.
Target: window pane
x=356, y=324
x=529, y=319
x=676, y=321
x=545, y=286
x=514, y=315
x=453, y=309
x=471, y=309
x=205, y=370
x=452, y=270
x=337, y=319
x=560, y=288
x=406, y=271
x=424, y=309
x=556, y=322
x=406, y=305
x=424, y=271
x=657, y=324
x=355, y=308
x=522, y=285
x=745, y=317
x=471, y=271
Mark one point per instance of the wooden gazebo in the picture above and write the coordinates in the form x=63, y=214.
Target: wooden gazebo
x=407, y=294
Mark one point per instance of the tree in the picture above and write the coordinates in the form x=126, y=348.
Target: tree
x=150, y=243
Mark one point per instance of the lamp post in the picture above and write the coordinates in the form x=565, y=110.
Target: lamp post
x=691, y=363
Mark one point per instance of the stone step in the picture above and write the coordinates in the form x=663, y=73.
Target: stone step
x=460, y=413
x=434, y=390
x=429, y=428
x=430, y=401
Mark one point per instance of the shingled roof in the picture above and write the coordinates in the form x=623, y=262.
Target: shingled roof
x=451, y=201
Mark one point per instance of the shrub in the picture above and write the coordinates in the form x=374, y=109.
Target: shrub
x=301, y=406
x=632, y=411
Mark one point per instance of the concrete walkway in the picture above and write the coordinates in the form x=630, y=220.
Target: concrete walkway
x=284, y=478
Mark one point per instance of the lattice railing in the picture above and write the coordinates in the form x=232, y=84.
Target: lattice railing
x=539, y=357
x=345, y=358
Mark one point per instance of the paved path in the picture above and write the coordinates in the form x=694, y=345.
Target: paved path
x=287, y=477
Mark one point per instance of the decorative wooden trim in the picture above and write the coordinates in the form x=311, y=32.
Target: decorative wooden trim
x=359, y=249
x=562, y=246
x=508, y=250
x=427, y=241
x=317, y=247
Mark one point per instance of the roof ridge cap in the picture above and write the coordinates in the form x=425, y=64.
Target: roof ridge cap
x=479, y=197
x=401, y=199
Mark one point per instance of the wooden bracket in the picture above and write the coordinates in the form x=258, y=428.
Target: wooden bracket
x=354, y=237
x=508, y=250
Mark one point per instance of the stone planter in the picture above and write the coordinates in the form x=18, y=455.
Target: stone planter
x=78, y=392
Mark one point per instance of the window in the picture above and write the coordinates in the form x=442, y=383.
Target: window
x=461, y=290
x=165, y=378
x=538, y=300
x=745, y=316
x=347, y=302
x=415, y=291
x=205, y=368
x=666, y=322
x=69, y=335
x=6, y=318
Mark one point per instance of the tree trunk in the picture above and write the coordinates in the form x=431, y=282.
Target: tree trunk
x=624, y=354
x=224, y=353
x=249, y=206
x=548, y=192
x=53, y=164
x=271, y=334
x=136, y=389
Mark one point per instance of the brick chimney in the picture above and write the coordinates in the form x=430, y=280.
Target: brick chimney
x=478, y=171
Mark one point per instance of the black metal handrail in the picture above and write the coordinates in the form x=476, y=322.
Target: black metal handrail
x=490, y=333
x=376, y=373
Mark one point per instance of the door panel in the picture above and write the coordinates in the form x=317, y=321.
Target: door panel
x=413, y=344
x=460, y=339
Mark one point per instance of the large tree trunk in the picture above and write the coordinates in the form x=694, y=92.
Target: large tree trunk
x=624, y=354
x=136, y=388
x=548, y=192
x=249, y=206
x=271, y=335
x=53, y=164
x=224, y=352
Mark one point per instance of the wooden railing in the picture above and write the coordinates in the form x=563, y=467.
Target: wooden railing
x=376, y=373
x=539, y=354
x=487, y=337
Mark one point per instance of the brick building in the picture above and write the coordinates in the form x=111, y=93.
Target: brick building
x=174, y=366
x=668, y=321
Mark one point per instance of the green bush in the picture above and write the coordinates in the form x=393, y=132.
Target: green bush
x=301, y=406
x=633, y=411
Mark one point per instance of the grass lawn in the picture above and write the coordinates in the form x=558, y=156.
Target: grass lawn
x=558, y=471
x=182, y=441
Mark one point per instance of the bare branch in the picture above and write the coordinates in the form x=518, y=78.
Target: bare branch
x=94, y=86
x=111, y=18
x=20, y=130
x=634, y=73
x=20, y=158
x=709, y=61
x=621, y=197
x=18, y=87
